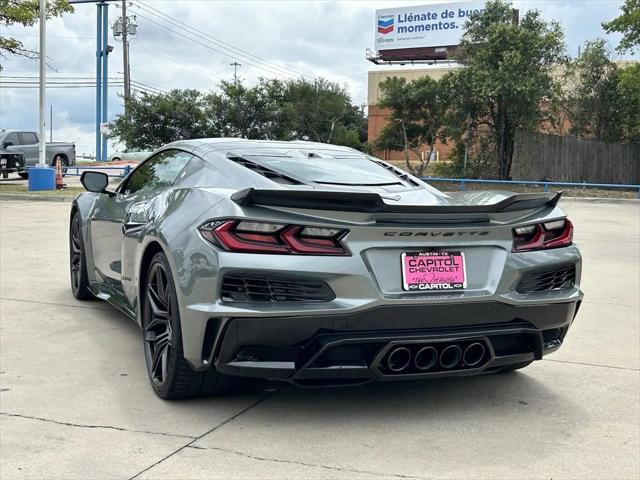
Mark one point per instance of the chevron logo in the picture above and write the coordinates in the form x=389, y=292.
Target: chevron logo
x=385, y=25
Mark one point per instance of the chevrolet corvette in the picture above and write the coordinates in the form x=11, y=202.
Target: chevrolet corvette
x=316, y=264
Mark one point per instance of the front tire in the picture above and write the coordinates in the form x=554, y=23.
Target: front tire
x=23, y=175
x=77, y=260
x=170, y=375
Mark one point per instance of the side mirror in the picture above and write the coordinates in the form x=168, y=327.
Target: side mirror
x=7, y=144
x=96, y=182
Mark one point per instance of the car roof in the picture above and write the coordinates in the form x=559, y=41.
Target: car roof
x=206, y=145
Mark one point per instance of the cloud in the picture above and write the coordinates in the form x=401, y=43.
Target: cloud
x=315, y=38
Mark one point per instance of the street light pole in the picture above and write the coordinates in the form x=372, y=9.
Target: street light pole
x=125, y=54
x=43, y=80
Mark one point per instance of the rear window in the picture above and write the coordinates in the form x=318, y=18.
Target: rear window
x=348, y=170
x=29, y=138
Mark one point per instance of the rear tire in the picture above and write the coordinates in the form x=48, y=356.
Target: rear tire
x=23, y=175
x=170, y=375
x=77, y=260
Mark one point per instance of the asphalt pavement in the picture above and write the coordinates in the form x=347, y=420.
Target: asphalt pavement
x=75, y=401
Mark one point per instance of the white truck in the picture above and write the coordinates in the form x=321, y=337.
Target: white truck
x=23, y=145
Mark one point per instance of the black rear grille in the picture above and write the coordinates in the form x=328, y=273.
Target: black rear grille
x=543, y=281
x=241, y=288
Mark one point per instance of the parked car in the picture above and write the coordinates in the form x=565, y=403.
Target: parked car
x=10, y=162
x=26, y=143
x=134, y=156
x=316, y=264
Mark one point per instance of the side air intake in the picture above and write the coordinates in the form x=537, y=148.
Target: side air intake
x=558, y=278
x=244, y=288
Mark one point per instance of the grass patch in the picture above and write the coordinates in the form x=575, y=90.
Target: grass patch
x=24, y=189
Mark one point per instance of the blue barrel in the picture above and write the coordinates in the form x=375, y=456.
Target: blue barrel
x=42, y=178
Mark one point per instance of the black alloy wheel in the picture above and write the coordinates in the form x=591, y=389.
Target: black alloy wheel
x=170, y=375
x=157, y=328
x=77, y=262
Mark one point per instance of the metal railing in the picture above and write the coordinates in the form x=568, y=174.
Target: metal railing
x=76, y=170
x=544, y=184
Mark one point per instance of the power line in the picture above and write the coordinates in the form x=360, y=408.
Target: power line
x=56, y=86
x=161, y=55
x=268, y=70
x=221, y=43
x=32, y=77
x=150, y=87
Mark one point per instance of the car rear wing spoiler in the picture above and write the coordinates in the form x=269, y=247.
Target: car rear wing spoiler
x=374, y=203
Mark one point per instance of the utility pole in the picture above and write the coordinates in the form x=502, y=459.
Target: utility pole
x=235, y=66
x=51, y=123
x=43, y=80
x=125, y=55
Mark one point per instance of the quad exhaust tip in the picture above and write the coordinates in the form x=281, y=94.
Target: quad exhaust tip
x=450, y=356
x=426, y=358
x=473, y=354
x=399, y=359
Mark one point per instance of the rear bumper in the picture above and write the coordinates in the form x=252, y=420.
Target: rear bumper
x=355, y=347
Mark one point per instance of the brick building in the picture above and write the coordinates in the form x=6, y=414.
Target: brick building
x=377, y=117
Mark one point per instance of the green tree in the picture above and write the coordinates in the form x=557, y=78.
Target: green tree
x=591, y=97
x=25, y=13
x=629, y=103
x=416, y=120
x=271, y=110
x=317, y=109
x=628, y=24
x=153, y=120
x=247, y=112
x=507, y=81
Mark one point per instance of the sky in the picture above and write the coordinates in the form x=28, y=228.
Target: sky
x=283, y=39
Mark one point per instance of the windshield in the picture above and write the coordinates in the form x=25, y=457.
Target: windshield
x=348, y=170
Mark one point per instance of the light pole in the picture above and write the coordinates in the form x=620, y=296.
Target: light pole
x=43, y=80
x=125, y=55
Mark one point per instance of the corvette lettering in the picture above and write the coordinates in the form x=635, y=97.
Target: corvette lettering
x=434, y=234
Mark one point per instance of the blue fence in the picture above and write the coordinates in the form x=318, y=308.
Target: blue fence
x=545, y=185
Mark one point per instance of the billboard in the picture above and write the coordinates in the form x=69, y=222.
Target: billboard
x=435, y=25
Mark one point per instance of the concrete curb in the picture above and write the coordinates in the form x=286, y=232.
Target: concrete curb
x=598, y=200
x=36, y=198
x=69, y=198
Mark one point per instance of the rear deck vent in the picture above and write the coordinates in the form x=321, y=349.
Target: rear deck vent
x=242, y=288
x=398, y=173
x=559, y=278
x=266, y=172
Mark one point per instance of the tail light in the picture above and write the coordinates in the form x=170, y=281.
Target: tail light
x=542, y=236
x=262, y=237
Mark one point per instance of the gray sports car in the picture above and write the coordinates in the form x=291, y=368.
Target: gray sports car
x=320, y=265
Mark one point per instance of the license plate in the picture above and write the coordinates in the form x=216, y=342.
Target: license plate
x=433, y=271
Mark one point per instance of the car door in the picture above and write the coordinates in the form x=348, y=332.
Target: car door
x=30, y=148
x=11, y=143
x=118, y=220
